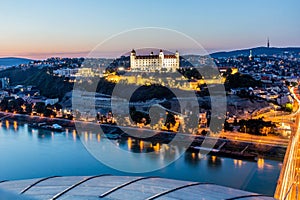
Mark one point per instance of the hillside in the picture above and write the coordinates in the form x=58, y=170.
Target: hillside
x=256, y=51
x=12, y=61
x=50, y=86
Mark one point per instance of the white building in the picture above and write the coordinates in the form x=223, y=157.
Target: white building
x=66, y=72
x=153, y=63
x=4, y=82
x=77, y=72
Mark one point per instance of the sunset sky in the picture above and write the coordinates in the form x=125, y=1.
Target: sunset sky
x=40, y=29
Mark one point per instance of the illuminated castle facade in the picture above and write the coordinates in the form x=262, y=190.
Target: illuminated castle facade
x=154, y=63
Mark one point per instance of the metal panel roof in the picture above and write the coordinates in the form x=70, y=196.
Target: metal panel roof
x=110, y=187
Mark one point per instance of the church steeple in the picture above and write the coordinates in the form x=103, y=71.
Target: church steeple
x=268, y=43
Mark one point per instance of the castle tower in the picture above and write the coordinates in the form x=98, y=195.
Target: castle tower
x=161, y=59
x=177, y=61
x=132, y=59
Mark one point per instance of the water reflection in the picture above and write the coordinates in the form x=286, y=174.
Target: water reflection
x=98, y=137
x=141, y=144
x=15, y=125
x=193, y=158
x=42, y=135
x=192, y=165
x=237, y=163
x=163, y=151
x=129, y=143
x=260, y=163
x=74, y=134
x=214, y=161
x=156, y=148
x=86, y=137
x=67, y=133
x=7, y=124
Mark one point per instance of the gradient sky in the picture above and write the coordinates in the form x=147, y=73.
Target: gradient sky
x=39, y=29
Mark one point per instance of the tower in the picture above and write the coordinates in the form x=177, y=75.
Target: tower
x=250, y=56
x=177, y=61
x=132, y=59
x=161, y=59
x=268, y=43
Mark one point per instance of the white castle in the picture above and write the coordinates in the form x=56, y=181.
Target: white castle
x=154, y=63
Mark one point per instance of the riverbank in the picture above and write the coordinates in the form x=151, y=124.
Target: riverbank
x=22, y=118
x=229, y=148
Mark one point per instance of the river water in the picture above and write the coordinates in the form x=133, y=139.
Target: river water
x=31, y=153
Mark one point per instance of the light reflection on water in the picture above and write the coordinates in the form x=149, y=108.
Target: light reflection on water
x=29, y=153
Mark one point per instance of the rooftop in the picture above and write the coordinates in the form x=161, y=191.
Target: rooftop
x=118, y=187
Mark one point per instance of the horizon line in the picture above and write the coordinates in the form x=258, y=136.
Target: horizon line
x=113, y=54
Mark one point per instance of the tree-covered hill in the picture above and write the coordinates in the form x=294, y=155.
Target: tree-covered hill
x=49, y=86
x=240, y=80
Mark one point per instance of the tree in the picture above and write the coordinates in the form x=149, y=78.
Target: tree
x=12, y=105
x=170, y=120
x=40, y=107
x=57, y=106
x=28, y=108
x=227, y=126
x=215, y=124
x=4, y=104
x=238, y=80
x=289, y=107
x=192, y=122
x=227, y=73
x=256, y=126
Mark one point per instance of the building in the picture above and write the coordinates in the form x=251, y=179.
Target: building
x=66, y=72
x=76, y=72
x=154, y=63
x=250, y=56
x=4, y=82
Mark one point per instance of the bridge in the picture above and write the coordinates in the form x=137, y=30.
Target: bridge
x=288, y=182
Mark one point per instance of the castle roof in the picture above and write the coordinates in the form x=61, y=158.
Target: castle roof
x=170, y=56
x=148, y=57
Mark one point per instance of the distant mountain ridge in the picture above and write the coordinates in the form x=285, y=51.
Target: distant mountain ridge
x=256, y=51
x=13, y=61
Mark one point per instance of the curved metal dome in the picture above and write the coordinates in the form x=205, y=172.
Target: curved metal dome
x=118, y=188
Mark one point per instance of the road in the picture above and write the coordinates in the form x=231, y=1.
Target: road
x=244, y=137
x=288, y=182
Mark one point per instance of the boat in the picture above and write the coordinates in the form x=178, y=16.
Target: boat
x=225, y=153
x=45, y=126
x=112, y=136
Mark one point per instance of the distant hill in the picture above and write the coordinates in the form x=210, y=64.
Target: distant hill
x=12, y=61
x=256, y=51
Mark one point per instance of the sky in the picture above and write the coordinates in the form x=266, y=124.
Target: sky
x=41, y=29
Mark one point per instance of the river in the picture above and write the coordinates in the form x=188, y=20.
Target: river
x=31, y=153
